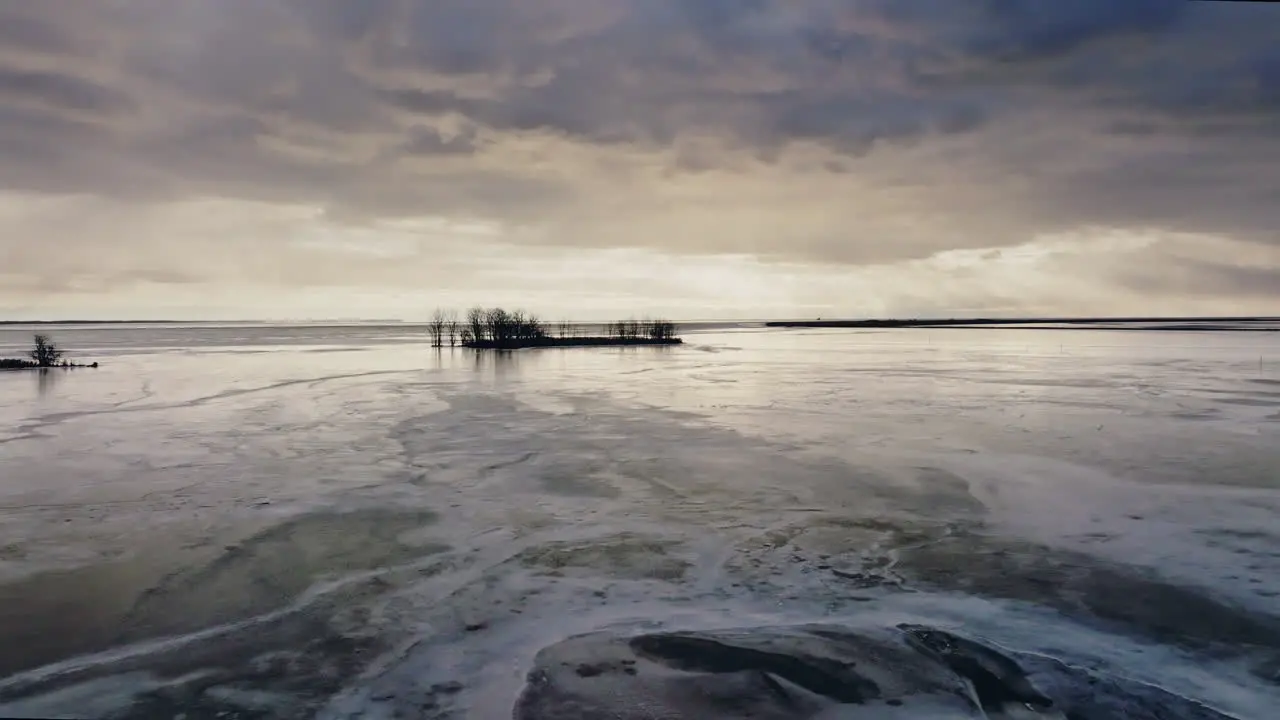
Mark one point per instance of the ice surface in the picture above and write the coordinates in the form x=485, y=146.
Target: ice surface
x=278, y=522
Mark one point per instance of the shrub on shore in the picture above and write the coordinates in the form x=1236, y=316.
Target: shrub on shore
x=44, y=354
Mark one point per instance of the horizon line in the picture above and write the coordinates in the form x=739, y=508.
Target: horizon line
x=339, y=322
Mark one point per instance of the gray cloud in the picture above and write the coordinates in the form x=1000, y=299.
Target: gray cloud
x=1204, y=278
x=1020, y=30
x=428, y=141
x=826, y=130
x=61, y=92
x=44, y=31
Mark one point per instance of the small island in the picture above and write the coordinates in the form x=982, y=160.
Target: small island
x=499, y=329
x=44, y=355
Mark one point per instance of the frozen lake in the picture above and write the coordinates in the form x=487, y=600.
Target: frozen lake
x=269, y=521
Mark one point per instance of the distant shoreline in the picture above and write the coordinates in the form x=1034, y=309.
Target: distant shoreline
x=134, y=322
x=1158, y=323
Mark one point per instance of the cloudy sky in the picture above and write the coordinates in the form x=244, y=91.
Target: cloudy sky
x=582, y=158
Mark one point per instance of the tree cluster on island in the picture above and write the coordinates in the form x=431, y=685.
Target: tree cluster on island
x=497, y=328
x=44, y=354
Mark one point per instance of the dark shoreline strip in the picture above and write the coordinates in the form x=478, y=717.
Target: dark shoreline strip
x=1159, y=323
x=568, y=342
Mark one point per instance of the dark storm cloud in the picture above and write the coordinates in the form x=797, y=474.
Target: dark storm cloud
x=1021, y=30
x=1141, y=113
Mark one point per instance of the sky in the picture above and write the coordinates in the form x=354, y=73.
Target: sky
x=588, y=159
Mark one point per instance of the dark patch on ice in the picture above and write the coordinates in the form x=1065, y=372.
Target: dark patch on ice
x=1126, y=599
x=1016, y=380
x=283, y=669
x=1271, y=538
x=284, y=665
x=576, y=476
x=577, y=486
x=692, y=652
x=1206, y=414
x=54, y=615
x=625, y=556
x=281, y=684
x=997, y=680
x=60, y=614
x=1269, y=394
x=760, y=673
x=943, y=489
x=1250, y=402
x=809, y=671
x=512, y=462
x=270, y=569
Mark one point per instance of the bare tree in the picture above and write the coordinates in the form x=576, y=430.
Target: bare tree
x=533, y=328
x=565, y=329
x=498, y=325
x=660, y=330
x=627, y=329
x=519, y=324
x=477, y=319
x=436, y=327
x=499, y=328
x=453, y=327
x=45, y=352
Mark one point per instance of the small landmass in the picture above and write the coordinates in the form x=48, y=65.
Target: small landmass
x=44, y=355
x=499, y=329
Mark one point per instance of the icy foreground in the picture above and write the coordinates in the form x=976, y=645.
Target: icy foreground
x=295, y=522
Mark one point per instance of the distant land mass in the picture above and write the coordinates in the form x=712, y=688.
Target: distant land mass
x=1098, y=323
x=132, y=322
x=336, y=322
